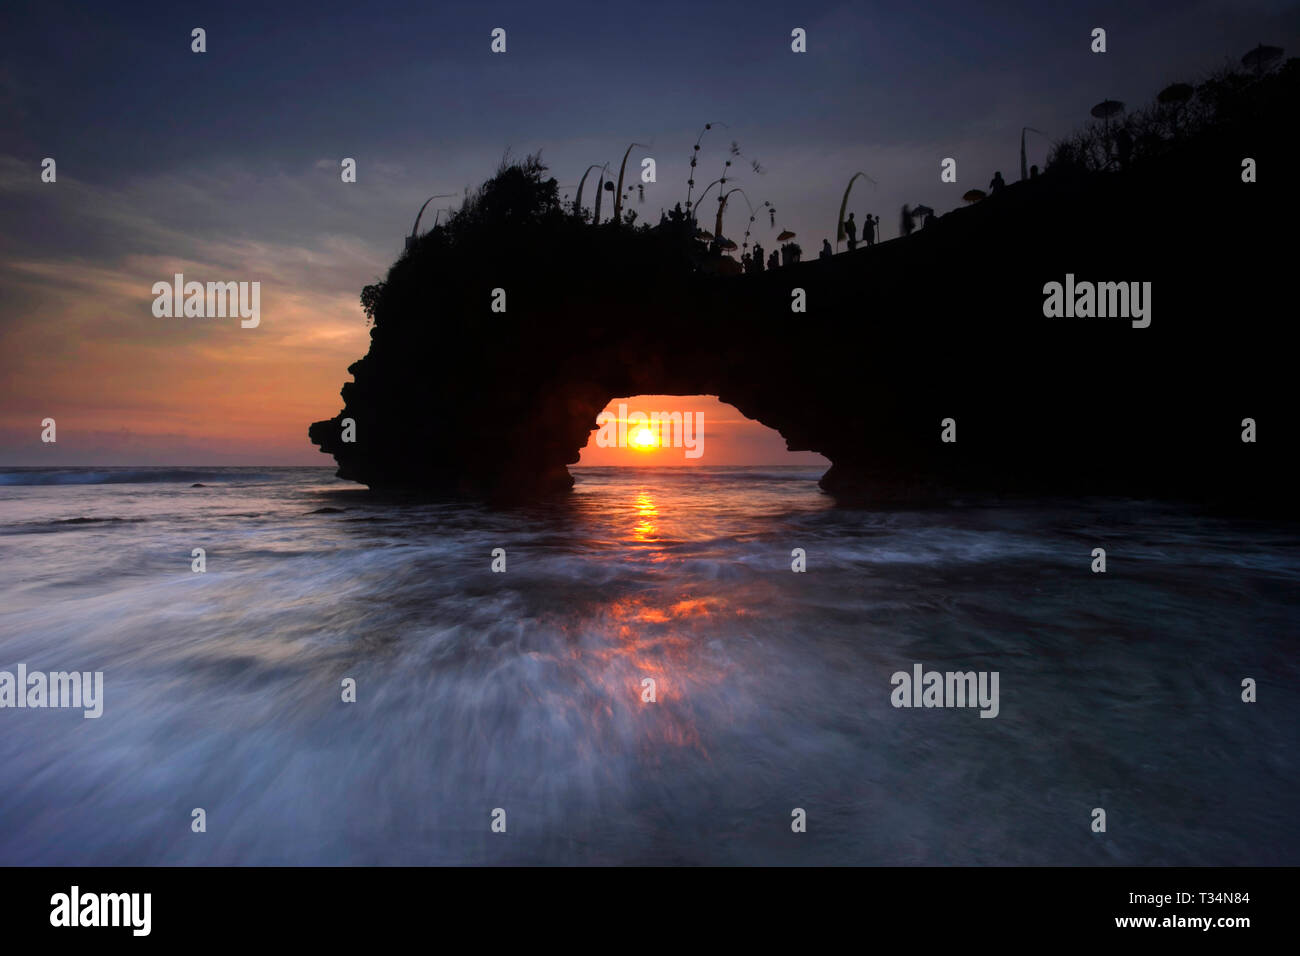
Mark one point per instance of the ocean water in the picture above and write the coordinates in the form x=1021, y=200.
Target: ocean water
x=523, y=690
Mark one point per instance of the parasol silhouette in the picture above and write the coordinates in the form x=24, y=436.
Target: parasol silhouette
x=1262, y=57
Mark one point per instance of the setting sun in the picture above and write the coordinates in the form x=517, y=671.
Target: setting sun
x=644, y=438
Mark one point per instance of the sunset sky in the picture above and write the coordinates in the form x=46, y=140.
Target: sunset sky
x=729, y=438
x=224, y=166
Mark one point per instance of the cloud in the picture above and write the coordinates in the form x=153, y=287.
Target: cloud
x=80, y=339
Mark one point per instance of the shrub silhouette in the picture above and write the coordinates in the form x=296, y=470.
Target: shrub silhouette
x=1218, y=103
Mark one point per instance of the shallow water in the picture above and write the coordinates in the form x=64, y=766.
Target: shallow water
x=522, y=690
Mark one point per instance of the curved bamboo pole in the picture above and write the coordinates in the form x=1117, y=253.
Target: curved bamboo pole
x=839, y=228
x=618, y=202
x=577, y=203
x=722, y=205
x=415, y=229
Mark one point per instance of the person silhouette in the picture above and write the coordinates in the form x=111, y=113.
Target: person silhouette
x=851, y=230
x=907, y=223
x=773, y=260
x=869, y=226
x=1033, y=172
x=758, y=258
x=826, y=252
x=997, y=183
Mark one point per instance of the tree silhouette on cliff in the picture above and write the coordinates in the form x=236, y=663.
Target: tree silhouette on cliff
x=1220, y=102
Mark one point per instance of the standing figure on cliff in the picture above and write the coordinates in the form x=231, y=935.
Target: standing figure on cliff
x=869, y=226
x=906, y=223
x=851, y=230
x=827, y=251
x=997, y=184
x=758, y=258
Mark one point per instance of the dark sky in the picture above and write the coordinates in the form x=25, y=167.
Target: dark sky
x=226, y=163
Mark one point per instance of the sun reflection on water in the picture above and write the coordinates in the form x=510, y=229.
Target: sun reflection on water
x=645, y=530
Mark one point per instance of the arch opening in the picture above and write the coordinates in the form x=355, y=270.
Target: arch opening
x=682, y=431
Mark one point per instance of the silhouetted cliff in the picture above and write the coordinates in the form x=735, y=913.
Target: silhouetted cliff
x=947, y=323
